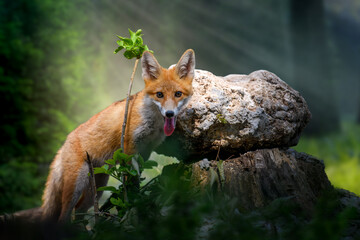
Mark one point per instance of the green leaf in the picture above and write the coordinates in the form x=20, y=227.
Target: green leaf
x=120, y=156
x=124, y=41
x=122, y=169
x=139, y=42
x=131, y=32
x=139, y=159
x=120, y=43
x=111, y=171
x=107, y=188
x=129, y=54
x=118, y=49
x=221, y=118
x=98, y=170
x=128, y=42
x=117, y=202
x=105, y=166
x=147, y=49
x=134, y=45
x=213, y=176
x=138, y=32
x=132, y=172
x=111, y=161
x=133, y=36
x=150, y=164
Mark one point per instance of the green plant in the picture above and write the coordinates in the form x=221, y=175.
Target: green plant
x=174, y=207
x=221, y=118
x=134, y=48
x=127, y=170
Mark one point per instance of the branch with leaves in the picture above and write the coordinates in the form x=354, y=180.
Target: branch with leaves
x=122, y=167
x=134, y=48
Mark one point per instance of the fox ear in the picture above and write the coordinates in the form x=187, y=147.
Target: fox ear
x=151, y=69
x=186, y=66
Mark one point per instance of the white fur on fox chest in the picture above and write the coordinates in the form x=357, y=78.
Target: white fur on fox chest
x=150, y=133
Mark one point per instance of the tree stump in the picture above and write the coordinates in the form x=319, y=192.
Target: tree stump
x=257, y=178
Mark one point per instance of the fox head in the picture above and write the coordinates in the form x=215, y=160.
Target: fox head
x=169, y=89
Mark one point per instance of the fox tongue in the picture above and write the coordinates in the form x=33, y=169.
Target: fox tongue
x=169, y=126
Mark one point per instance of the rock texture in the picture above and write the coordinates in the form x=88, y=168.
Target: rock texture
x=259, y=177
x=240, y=113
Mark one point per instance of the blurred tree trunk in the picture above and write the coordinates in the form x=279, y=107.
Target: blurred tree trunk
x=311, y=66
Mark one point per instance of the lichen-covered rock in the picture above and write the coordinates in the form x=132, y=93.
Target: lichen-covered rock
x=239, y=113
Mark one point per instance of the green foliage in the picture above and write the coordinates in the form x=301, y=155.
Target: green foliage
x=341, y=154
x=149, y=173
x=42, y=82
x=127, y=170
x=134, y=46
x=174, y=207
x=20, y=184
x=329, y=220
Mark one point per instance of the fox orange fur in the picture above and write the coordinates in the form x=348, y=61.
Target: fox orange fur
x=152, y=116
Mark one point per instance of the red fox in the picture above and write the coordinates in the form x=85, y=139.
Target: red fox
x=152, y=115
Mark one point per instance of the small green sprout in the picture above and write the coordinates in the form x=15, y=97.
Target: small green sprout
x=221, y=118
x=134, y=46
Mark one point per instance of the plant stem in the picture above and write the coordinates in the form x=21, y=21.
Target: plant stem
x=125, y=120
x=124, y=187
x=127, y=105
x=217, y=155
x=93, y=186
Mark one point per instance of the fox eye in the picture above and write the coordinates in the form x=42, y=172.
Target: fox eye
x=178, y=94
x=159, y=95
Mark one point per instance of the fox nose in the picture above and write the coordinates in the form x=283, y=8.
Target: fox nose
x=169, y=114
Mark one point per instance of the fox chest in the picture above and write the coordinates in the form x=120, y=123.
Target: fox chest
x=149, y=134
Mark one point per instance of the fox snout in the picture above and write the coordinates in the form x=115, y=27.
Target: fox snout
x=171, y=109
x=169, y=114
x=169, y=120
